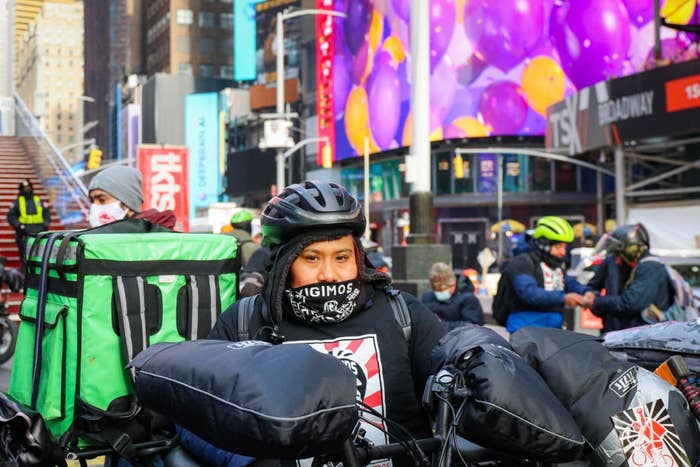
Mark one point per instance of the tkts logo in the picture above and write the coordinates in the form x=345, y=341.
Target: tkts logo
x=648, y=437
x=589, y=118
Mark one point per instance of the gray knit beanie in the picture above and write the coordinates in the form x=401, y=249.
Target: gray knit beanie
x=124, y=183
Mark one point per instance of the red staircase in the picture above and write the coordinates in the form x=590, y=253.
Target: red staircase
x=15, y=166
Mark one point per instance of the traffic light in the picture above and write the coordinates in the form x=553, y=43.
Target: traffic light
x=94, y=158
x=327, y=156
x=458, y=165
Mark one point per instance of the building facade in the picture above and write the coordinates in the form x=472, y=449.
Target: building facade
x=49, y=73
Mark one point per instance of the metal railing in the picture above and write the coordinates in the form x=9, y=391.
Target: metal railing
x=66, y=192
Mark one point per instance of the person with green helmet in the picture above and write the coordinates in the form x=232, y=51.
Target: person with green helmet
x=534, y=288
x=241, y=224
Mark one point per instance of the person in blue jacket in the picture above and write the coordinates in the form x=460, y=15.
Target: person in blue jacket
x=454, y=307
x=632, y=283
x=535, y=285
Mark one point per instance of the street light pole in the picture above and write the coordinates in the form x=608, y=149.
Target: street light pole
x=279, y=39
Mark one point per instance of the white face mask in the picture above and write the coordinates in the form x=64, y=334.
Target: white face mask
x=442, y=295
x=101, y=214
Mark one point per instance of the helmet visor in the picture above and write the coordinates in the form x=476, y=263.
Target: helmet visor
x=607, y=244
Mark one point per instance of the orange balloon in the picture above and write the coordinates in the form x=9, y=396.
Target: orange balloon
x=678, y=11
x=472, y=127
x=393, y=45
x=357, y=121
x=376, y=28
x=459, y=9
x=543, y=83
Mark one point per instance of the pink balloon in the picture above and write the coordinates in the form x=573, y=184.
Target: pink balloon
x=592, y=39
x=503, y=108
x=360, y=63
x=640, y=11
x=443, y=85
x=504, y=35
x=402, y=8
x=342, y=82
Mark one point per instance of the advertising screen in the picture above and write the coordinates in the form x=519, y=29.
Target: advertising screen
x=495, y=65
x=266, y=20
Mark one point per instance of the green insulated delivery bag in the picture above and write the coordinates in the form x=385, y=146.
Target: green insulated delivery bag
x=93, y=301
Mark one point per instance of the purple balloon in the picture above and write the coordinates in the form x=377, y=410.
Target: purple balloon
x=442, y=23
x=342, y=82
x=359, y=63
x=402, y=8
x=384, y=101
x=357, y=24
x=504, y=35
x=674, y=49
x=443, y=85
x=640, y=11
x=503, y=108
x=466, y=103
x=592, y=39
x=535, y=124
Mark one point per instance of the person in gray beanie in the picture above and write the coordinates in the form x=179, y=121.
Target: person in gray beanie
x=116, y=193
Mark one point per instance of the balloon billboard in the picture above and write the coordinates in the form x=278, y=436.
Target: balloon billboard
x=495, y=65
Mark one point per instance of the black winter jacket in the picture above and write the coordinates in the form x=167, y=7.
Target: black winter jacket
x=462, y=308
x=650, y=284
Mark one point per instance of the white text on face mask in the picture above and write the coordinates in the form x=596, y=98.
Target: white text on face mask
x=101, y=214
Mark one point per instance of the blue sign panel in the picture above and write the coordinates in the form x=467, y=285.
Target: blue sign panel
x=202, y=140
x=244, y=39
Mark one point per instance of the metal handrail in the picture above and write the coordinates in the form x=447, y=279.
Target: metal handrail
x=70, y=186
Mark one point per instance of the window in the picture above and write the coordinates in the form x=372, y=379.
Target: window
x=226, y=47
x=206, y=70
x=183, y=44
x=206, y=46
x=226, y=72
x=226, y=21
x=184, y=68
x=185, y=17
x=207, y=19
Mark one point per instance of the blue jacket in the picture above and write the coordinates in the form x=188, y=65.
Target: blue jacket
x=530, y=303
x=462, y=308
x=612, y=277
x=649, y=285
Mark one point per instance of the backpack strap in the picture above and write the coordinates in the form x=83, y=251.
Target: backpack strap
x=130, y=303
x=203, y=305
x=246, y=307
x=400, y=310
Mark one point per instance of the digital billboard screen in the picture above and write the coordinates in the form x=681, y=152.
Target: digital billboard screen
x=495, y=65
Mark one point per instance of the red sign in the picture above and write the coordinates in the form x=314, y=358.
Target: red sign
x=164, y=170
x=683, y=93
x=324, y=80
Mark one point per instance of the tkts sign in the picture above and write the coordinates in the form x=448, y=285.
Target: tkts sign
x=664, y=102
x=164, y=170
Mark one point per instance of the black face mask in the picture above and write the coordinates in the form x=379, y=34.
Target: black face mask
x=324, y=302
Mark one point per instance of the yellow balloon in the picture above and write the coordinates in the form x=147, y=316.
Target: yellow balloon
x=543, y=82
x=357, y=121
x=375, y=29
x=472, y=127
x=393, y=45
x=407, y=136
x=678, y=11
x=459, y=9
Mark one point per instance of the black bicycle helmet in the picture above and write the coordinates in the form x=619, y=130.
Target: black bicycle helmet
x=630, y=242
x=308, y=206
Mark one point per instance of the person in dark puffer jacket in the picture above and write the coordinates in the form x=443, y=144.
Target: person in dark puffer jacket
x=454, y=307
x=631, y=283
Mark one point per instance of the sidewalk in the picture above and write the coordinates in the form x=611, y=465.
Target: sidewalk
x=488, y=318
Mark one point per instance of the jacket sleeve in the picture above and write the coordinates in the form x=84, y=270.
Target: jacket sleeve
x=225, y=328
x=13, y=216
x=470, y=310
x=426, y=331
x=597, y=282
x=535, y=297
x=210, y=454
x=637, y=296
x=572, y=285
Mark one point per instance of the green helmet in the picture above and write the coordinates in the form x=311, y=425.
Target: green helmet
x=241, y=216
x=553, y=228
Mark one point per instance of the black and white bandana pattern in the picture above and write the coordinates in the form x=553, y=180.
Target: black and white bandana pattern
x=324, y=302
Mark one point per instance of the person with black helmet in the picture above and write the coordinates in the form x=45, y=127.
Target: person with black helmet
x=28, y=215
x=631, y=284
x=322, y=290
x=534, y=288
